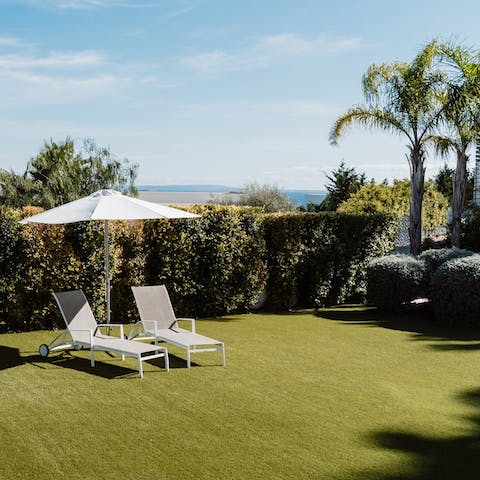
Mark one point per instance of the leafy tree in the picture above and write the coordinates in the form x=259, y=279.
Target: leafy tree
x=343, y=182
x=60, y=174
x=462, y=121
x=405, y=99
x=381, y=198
x=444, y=183
x=55, y=174
x=14, y=188
x=269, y=197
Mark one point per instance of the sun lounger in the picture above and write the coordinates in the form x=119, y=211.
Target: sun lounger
x=158, y=322
x=84, y=331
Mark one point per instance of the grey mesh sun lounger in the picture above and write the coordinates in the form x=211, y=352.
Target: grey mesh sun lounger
x=158, y=322
x=84, y=331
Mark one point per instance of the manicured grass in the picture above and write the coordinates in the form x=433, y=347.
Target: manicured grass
x=346, y=394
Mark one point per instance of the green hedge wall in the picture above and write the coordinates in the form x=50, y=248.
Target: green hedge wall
x=318, y=259
x=213, y=265
x=217, y=264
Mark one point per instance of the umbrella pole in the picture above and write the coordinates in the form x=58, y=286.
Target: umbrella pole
x=107, y=270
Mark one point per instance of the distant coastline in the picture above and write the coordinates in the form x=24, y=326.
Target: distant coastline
x=188, y=194
x=188, y=188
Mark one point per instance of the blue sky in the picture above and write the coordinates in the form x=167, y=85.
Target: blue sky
x=211, y=91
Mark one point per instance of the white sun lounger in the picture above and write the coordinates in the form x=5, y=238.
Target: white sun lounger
x=84, y=331
x=158, y=322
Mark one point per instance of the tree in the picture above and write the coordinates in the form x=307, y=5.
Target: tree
x=343, y=182
x=269, y=197
x=444, y=181
x=60, y=174
x=395, y=199
x=405, y=99
x=15, y=188
x=55, y=173
x=462, y=122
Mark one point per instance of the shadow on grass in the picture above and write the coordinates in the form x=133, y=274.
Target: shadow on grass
x=101, y=369
x=110, y=370
x=420, y=324
x=10, y=357
x=455, y=457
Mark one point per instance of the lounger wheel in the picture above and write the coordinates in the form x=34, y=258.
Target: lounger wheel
x=43, y=350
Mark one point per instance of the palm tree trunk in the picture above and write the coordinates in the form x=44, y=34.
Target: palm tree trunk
x=458, y=199
x=476, y=178
x=417, y=182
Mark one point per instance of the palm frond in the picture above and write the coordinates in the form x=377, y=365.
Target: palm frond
x=442, y=145
x=368, y=117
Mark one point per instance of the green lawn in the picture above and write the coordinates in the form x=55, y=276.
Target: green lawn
x=348, y=394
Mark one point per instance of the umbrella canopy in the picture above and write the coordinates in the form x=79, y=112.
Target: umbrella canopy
x=106, y=205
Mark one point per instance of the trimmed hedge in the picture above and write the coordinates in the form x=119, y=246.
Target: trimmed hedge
x=394, y=280
x=456, y=291
x=318, y=259
x=214, y=265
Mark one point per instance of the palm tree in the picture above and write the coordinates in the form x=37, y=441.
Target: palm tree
x=405, y=99
x=476, y=174
x=462, y=115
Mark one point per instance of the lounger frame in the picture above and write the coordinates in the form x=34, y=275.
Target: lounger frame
x=65, y=340
x=189, y=340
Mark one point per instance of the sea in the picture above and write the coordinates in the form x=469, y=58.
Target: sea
x=297, y=196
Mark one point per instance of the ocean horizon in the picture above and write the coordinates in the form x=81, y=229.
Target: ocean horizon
x=300, y=197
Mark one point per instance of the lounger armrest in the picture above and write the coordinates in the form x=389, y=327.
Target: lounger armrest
x=120, y=325
x=191, y=320
x=89, y=330
x=151, y=324
x=136, y=330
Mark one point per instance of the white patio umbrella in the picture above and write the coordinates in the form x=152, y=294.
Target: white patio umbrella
x=106, y=205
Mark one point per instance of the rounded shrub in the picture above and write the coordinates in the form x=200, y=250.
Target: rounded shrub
x=394, y=280
x=434, y=258
x=455, y=288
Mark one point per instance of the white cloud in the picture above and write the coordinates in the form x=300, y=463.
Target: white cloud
x=179, y=12
x=54, y=60
x=270, y=50
x=246, y=110
x=30, y=78
x=89, y=4
x=12, y=42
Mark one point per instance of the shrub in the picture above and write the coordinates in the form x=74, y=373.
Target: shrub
x=395, y=200
x=13, y=245
x=395, y=279
x=128, y=269
x=456, y=290
x=317, y=259
x=470, y=237
x=213, y=265
x=35, y=260
x=268, y=197
x=434, y=258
